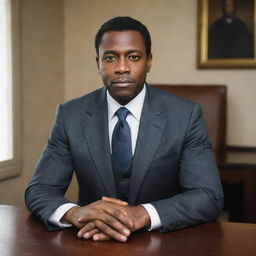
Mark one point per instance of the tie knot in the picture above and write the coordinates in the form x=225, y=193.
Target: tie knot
x=122, y=113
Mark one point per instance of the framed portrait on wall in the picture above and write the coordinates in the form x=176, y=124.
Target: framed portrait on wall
x=226, y=34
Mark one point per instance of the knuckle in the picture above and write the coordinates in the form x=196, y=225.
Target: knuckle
x=110, y=219
x=104, y=229
x=91, y=225
x=117, y=213
x=99, y=224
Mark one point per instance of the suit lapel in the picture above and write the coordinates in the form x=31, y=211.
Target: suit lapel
x=97, y=135
x=152, y=125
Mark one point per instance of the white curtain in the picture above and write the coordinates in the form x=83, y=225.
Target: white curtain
x=6, y=116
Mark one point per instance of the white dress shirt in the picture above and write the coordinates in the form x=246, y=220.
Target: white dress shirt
x=133, y=119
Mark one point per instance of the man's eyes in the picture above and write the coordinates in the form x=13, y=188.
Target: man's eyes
x=133, y=57
x=111, y=58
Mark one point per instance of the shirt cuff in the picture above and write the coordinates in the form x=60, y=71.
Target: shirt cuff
x=154, y=217
x=59, y=213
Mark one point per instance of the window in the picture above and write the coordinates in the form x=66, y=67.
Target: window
x=9, y=90
x=6, y=131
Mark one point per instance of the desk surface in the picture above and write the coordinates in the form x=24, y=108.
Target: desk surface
x=22, y=234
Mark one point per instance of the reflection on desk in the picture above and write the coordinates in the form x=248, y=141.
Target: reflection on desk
x=23, y=234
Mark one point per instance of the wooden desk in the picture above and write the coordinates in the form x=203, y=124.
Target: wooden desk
x=22, y=234
x=240, y=167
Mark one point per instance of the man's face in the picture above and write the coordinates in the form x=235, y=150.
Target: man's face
x=123, y=64
x=229, y=7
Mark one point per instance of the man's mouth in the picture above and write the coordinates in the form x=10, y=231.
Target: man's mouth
x=122, y=82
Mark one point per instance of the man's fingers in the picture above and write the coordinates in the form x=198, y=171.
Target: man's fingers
x=114, y=224
x=108, y=227
x=114, y=200
x=116, y=217
x=107, y=230
x=99, y=231
x=120, y=216
x=101, y=237
x=89, y=234
x=87, y=231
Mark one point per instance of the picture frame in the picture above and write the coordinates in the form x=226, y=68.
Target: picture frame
x=226, y=36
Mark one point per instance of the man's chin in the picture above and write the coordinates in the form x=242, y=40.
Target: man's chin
x=122, y=98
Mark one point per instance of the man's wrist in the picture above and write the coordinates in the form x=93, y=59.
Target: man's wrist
x=56, y=216
x=68, y=217
x=144, y=216
x=155, y=221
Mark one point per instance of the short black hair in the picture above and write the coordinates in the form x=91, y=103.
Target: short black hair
x=123, y=24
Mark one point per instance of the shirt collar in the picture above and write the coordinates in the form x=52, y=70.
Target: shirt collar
x=134, y=106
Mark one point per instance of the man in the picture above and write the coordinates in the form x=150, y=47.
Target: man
x=141, y=156
x=229, y=36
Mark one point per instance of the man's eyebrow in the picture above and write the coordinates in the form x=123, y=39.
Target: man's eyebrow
x=116, y=52
x=134, y=51
x=109, y=52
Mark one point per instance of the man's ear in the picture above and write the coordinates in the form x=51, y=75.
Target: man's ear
x=97, y=62
x=149, y=62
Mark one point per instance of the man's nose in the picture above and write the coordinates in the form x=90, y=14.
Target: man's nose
x=122, y=66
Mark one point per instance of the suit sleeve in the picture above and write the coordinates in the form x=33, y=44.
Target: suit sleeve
x=52, y=176
x=201, y=197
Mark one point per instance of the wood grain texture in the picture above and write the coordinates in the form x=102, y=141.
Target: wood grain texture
x=22, y=234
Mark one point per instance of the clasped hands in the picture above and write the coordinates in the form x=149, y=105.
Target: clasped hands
x=106, y=219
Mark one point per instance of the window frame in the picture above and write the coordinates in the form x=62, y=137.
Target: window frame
x=11, y=168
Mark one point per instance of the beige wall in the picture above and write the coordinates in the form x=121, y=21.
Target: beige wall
x=173, y=26
x=58, y=63
x=42, y=85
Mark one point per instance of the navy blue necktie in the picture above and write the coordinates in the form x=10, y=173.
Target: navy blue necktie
x=121, y=142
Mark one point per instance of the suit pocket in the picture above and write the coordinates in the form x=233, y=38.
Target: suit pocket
x=164, y=160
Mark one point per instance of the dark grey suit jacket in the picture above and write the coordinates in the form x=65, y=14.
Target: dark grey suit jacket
x=173, y=165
